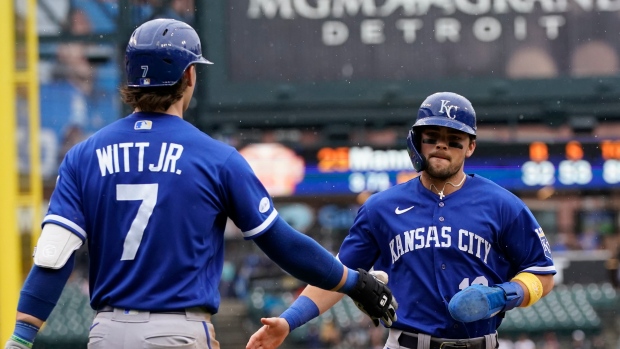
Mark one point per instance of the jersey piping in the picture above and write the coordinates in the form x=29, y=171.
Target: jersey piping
x=261, y=227
x=56, y=218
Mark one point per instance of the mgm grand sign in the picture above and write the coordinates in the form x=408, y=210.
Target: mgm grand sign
x=326, y=40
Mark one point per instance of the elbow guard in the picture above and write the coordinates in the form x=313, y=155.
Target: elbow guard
x=533, y=285
x=56, y=244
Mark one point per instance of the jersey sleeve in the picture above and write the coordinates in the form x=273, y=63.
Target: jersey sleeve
x=527, y=247
x=65, y=208
x=247, y=202
x=359, y=249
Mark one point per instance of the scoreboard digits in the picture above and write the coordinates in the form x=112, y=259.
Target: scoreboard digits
x=538, y=173
x=575, y=168
x=574, y=172
x=611, y=171
x=610, y=151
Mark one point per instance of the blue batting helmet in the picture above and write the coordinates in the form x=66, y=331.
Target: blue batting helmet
x=159, y=51
x=445, y=109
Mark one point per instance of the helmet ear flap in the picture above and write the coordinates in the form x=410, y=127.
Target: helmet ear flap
x=413, y=146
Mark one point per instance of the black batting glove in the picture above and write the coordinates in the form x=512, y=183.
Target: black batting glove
x=373, y=297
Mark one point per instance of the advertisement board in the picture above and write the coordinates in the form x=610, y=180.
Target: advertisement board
x=365, y=53
x=324, y=40
x=571, y=165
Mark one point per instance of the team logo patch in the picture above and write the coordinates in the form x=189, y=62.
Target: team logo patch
x=49, y=250
x=264, y=205
x=143, y=125
x=145, y=81
x=447, y=108
x=544, y=242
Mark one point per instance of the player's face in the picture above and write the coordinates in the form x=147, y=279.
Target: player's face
x=445, y=150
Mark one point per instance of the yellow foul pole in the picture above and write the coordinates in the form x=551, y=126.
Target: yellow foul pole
x=10, y=261
x=34, y=124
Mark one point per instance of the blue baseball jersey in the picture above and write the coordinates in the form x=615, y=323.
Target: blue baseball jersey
x=151, y=195
x=432, y=248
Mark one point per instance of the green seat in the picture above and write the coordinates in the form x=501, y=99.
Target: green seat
x=563, y=309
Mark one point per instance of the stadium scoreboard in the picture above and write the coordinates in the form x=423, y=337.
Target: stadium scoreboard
x=570, y=165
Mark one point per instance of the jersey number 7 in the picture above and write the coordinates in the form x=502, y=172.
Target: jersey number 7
x=147, y=194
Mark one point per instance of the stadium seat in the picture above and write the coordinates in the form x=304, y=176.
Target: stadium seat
x=69, y=323
x=566, y=308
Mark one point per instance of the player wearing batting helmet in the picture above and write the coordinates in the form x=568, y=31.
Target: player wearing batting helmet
x=150, y=194
x=458, y=250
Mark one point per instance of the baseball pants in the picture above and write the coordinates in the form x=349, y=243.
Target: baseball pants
x=115, y=328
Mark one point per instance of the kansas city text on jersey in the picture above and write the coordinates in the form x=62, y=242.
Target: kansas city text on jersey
x=420, y=238
x=110, y=159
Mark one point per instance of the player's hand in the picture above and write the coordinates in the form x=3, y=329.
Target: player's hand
x=11, y=344
x=271, y=335
x=477, y=302
x=372, y=296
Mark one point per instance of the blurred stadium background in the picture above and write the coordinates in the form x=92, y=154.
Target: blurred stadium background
x=318, y=95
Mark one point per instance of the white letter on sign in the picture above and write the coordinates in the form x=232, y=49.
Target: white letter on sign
x=335, y=33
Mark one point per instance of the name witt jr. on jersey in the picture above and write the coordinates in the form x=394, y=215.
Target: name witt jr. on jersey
x=110, y=161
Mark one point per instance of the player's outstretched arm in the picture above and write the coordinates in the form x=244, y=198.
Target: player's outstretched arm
x=312, y=302
x=271, y=335
x=305, y=259
x=478, y=302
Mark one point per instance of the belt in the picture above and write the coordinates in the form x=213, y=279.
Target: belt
x=107, y=308
x=411, y=342
x=133, y=315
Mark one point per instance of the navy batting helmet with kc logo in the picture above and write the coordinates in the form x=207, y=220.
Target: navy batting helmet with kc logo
x=445, y=109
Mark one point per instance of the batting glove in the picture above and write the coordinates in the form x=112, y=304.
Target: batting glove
x=478, y=302
x=11, y=344
x=372, y=296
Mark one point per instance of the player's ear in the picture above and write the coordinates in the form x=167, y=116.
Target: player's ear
x=471, y=147
x=190, y=75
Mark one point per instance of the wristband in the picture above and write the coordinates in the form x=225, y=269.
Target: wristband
x=300, y=312
x=24, y=333
x=514, y=294
x=350, y=281
x=533, y=285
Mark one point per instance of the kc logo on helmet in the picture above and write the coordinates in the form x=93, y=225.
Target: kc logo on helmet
x=446, y=108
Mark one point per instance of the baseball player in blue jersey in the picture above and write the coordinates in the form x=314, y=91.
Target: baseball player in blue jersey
x=457, y=249
x=150, y=194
